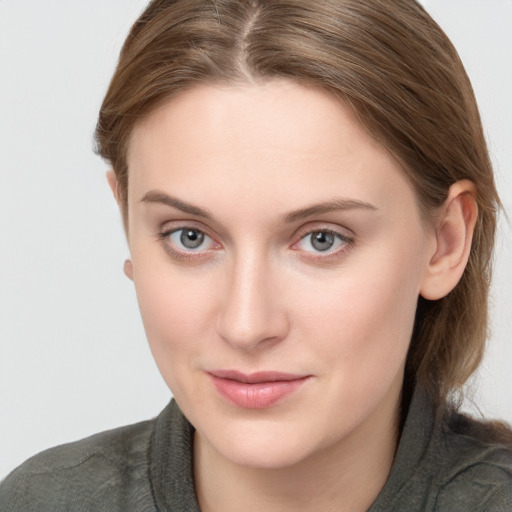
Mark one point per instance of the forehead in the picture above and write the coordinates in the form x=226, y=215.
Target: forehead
x=259, y=140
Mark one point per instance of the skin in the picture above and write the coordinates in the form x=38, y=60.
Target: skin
x=258, y=295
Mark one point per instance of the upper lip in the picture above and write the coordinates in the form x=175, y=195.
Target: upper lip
x=256, y=377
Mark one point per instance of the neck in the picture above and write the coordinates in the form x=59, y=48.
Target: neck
x=347, y=476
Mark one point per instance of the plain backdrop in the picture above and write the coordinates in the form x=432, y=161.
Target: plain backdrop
x=73, y=355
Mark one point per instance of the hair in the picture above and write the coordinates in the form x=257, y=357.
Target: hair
x=392, y=64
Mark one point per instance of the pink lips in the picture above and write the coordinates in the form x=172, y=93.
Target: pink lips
x=255, y=390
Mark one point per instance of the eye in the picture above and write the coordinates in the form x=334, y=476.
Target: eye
x=189, y=240
x=322, y=241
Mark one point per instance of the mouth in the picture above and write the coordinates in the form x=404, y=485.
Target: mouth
x=256, y=390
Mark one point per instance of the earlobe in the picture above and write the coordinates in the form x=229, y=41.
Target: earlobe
x=128, y=269
x=453, y=236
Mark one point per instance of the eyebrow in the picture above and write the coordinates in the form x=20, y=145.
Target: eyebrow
x=155, y=196
x=329, y=206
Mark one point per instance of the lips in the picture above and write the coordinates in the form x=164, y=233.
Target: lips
x=256, y=390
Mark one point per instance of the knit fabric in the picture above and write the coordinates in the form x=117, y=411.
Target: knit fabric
x=147, y=467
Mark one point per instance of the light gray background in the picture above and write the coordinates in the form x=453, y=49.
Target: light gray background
x=73, y=355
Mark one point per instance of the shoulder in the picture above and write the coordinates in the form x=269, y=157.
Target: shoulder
x=477, y=467
x=101, y=469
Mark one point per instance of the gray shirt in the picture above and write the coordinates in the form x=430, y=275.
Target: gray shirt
x=147, y=467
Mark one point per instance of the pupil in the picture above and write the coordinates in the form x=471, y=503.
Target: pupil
x=191, y=238
x=322, y=241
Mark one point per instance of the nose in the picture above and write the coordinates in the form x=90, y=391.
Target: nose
x=252, y=313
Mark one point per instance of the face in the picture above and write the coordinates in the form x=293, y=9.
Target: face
x=278, y=253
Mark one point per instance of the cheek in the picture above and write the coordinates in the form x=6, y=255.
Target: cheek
x=175, y=308
x=362, y=320
x=175, y=315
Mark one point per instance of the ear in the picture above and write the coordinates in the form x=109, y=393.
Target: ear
x=453, y=232
x=112, y=181
x=128, y=269
x=113, y=184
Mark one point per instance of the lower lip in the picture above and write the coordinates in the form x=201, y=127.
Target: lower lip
x=256, y=396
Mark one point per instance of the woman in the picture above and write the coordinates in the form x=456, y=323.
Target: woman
x=310, y=210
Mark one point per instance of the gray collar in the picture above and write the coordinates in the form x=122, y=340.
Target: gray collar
x=171, y=458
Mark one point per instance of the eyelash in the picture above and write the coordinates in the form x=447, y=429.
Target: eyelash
x=347, y=242
x=183, y=255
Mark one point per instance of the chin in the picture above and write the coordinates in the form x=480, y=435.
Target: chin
x=274, y=454
x=271, y=443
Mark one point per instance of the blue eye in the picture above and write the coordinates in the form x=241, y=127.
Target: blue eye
x=322, y=241
x=190, y=240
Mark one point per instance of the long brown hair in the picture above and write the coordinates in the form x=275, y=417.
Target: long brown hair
x=391, y=63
